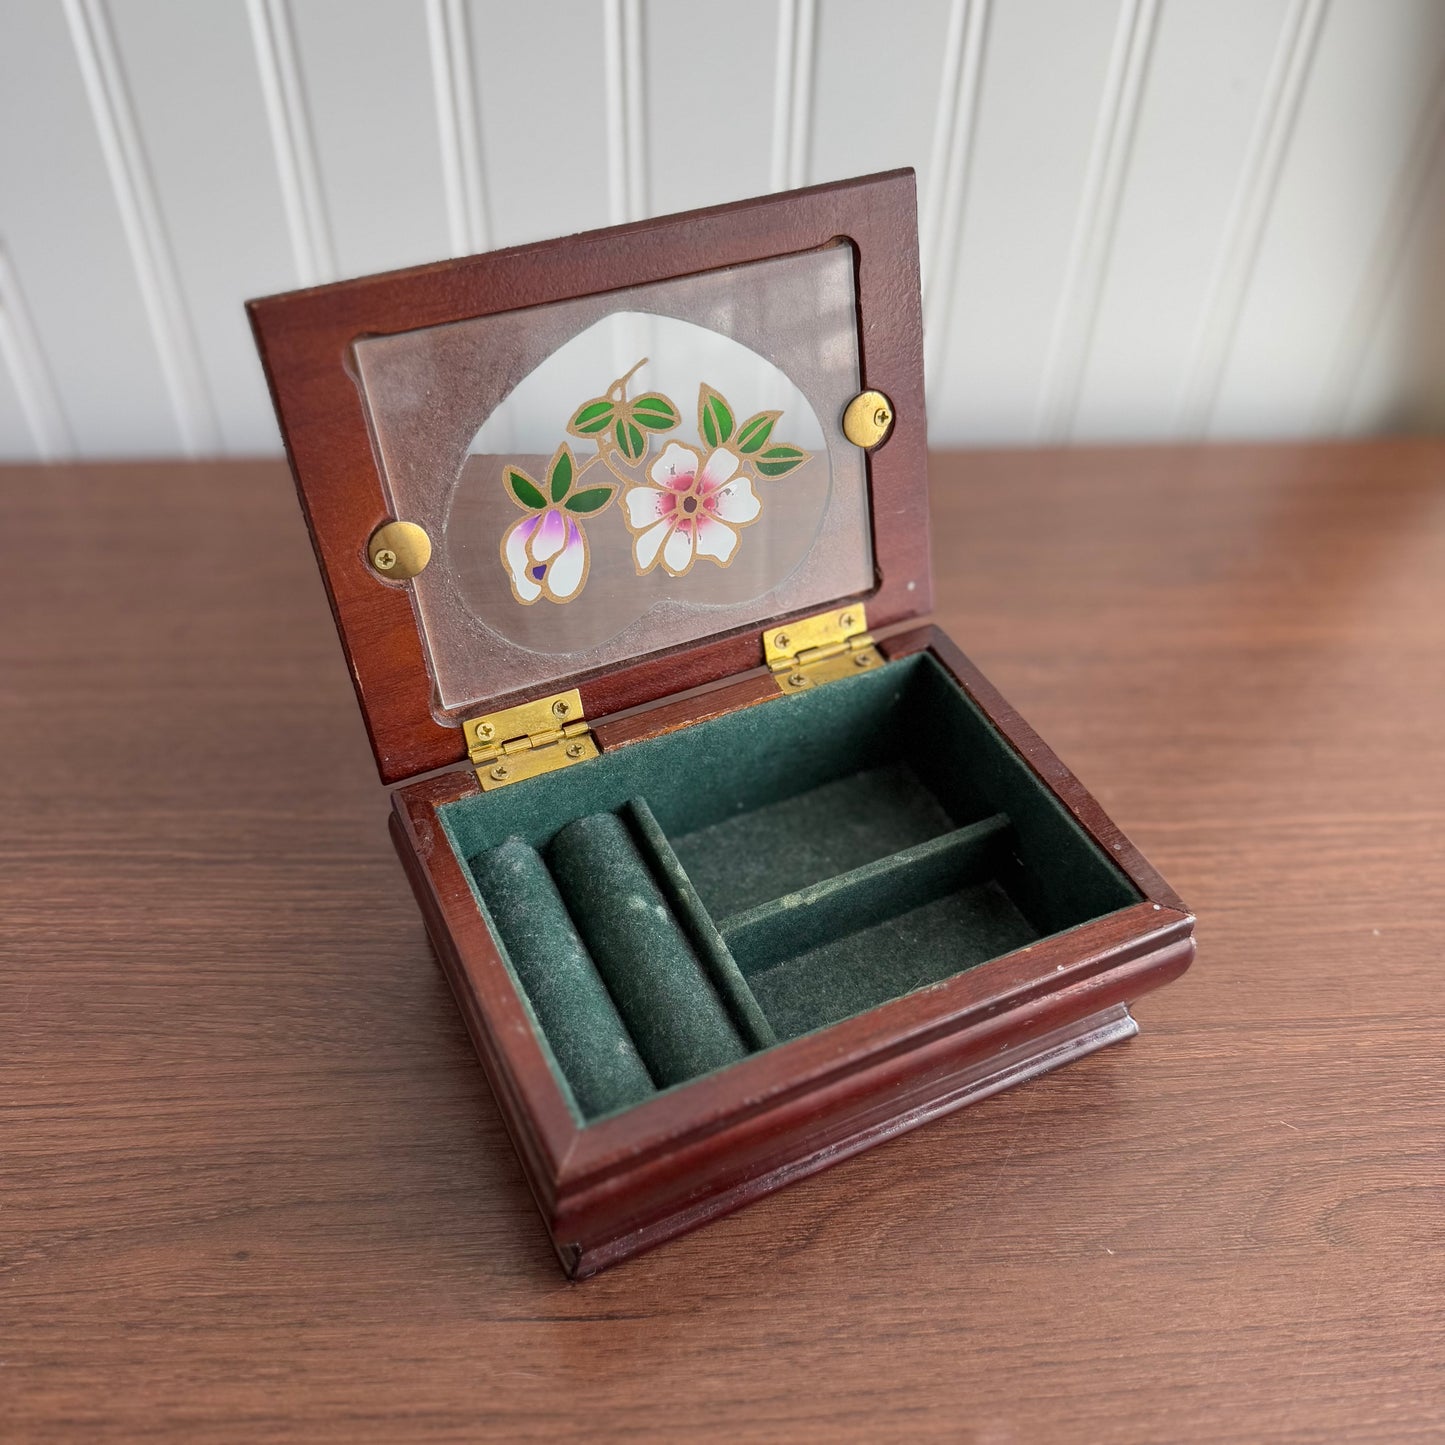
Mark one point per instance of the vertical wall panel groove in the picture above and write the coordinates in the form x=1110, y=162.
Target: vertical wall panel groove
x=291, y=140
x=793, y=93
x=141, y=219
x=1402, y=220
x=951, y=156
x=626, y=111
x=458, y=128
x=24, y=359
x=1103, y=192
x=1249, y=214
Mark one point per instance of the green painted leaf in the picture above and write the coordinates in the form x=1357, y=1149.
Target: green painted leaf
x=779, y=461
x=655, y=412
x=589, y=499
x=630, y=441
x=560, y=474
x=714, y=417
x=591, y=419
x=526, y=491
x=753, y=434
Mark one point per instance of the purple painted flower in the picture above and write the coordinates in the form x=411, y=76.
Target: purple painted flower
x=546, y=556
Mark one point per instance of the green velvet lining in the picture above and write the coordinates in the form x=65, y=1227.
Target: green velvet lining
x=772, y=871
x=576, y=1015
x=859, y=971
x=754, y=856
x=707, y=941
x=775, y=931
x=661, y=988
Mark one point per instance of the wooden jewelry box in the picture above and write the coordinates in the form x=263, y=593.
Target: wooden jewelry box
x=745, y=867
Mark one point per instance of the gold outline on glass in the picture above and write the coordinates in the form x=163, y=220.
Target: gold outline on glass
x=679, y=505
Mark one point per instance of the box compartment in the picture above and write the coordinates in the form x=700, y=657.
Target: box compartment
x=690, y=899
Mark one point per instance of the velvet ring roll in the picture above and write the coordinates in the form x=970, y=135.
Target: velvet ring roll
x=577, y=1016
x=663, y=992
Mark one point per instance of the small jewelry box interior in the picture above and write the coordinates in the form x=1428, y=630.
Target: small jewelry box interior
x=677, y=904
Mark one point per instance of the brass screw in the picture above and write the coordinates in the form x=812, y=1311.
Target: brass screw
x=863, y=659
x=781, y=640
x=847, y=620
x=486, y=732
x=501, y=771
x=867, y=418
x=797, y=679
x=575, y=750
x=399, y=549
x=559, y=708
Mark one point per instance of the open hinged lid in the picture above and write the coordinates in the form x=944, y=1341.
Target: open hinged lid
x=612, y=461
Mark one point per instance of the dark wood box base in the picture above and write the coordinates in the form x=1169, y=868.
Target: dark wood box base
x=967, y=1086
x=613, y=1186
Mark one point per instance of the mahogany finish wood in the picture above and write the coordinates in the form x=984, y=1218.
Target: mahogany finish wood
x=305, y=339
x=632, y=1181
x=255, y=1185
x=627, y=1183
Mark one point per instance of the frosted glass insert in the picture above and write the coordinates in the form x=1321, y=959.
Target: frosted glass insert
x=607, y=477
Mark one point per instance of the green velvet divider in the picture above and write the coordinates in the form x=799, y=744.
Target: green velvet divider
x=831, y=909
x=750, y=857
x=696, y=922
x=576, y=1014
x=897, y=956
x=663, y=992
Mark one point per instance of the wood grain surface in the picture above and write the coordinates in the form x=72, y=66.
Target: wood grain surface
x=253, y=1185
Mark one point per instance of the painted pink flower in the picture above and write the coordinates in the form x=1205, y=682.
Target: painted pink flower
x=689, y=508
x=546, y=556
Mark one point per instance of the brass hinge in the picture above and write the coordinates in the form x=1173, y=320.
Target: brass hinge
x=528, y=740
x=813, y=650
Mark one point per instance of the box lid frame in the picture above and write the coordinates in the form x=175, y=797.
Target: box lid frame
x=305, y=339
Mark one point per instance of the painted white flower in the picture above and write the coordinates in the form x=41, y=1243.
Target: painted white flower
x=689, y=508
x=546, y=556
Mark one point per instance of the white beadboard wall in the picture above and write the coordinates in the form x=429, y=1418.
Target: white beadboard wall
x=1140, y=219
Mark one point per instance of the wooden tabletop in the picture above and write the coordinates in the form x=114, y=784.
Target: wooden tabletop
x=252, y=1184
